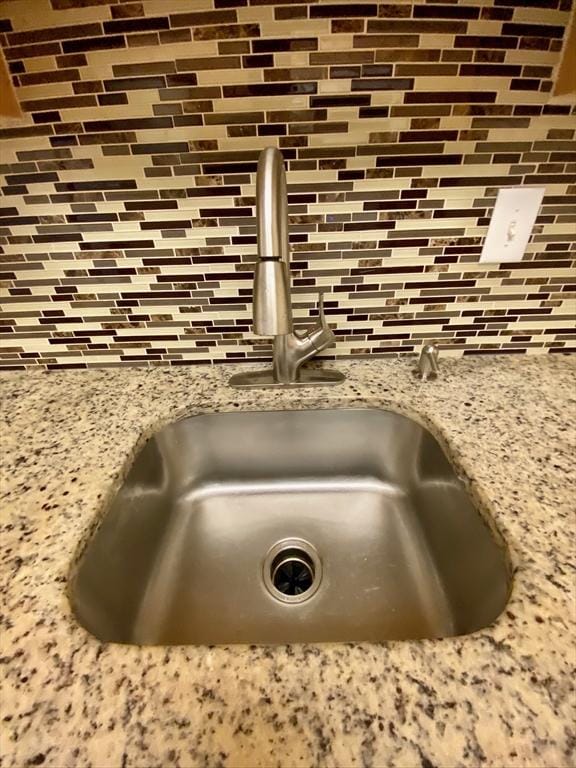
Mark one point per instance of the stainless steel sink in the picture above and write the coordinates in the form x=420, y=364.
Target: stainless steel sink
x=290, y=526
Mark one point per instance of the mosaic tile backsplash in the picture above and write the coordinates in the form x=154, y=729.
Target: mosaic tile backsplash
x=128, y=231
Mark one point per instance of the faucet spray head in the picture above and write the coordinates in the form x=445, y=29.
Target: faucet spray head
x=272, y=306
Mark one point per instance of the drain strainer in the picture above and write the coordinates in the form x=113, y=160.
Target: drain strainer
x=292, y=570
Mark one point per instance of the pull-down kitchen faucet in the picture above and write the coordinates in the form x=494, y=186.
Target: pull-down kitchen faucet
x=272, y=310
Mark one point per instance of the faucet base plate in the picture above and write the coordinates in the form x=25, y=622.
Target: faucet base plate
x=307, y=377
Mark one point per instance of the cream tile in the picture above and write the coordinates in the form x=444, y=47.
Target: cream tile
x=260, y=14
x=538, y=58
x=229, y=76
x=334, y=86
x=287, y=28
x=450, y=84
x=335, y=42
x=436, y=41
x=258, y=103
x=540, y=15
x=385, y=98
x=162, y=7
x=292, y=59
x=486, y=27
x=39, y=14
x=521, y=97
x=40, y=64
x=46, y=91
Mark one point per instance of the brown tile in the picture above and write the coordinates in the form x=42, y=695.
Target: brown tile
x=386, y=41
x=88, y=86
x=62, y=5
x=31, y=51
x=344, y=100
x=16, y=67
x=94, y=44
x=226, y=31
x=394, y=11
x=409, y=54
x=61, y=102
x=346, y=58
x=456, y=97
x=496, y=57
x=173, y=36
x=481, y=109
x=298, y=115
x=55, y=76
x=345, y=72
x=106, y=99
x=134, y=83
x=533, y=30
x=47, y=117
x=127, y=10
x=295, y=73
x=413, y=26
x=524, y=84
x=383, y=84
x=143, y=68
x=535, y=43
x=490, y=70
x=241, y=130
x=485, y=41
x=227, y=47
x=323, y=127
x=328, y=10
x=203, y=18
x=419, y=160
x=426, y=70
x=269, y=45
x=68, y=128
x=291, y=12
x=31, y=36
x=43, y=154
x=200, y=106
x=135, y=25
x=71, y=60
x=190, y=79
x=463, y=55
x=123, y=124
x=373, y=112
x=144, y=39
x=268, y=89
x=208, y=62
x=347, y=25
x=434, y=135
x=227, y=118
x=258, y=61
x=445, y=12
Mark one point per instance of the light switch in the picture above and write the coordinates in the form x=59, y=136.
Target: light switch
x=511, y=225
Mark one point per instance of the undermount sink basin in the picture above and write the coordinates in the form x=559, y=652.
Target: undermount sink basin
x=290, y=526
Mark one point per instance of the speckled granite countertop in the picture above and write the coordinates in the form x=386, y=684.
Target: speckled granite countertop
x=501, y=697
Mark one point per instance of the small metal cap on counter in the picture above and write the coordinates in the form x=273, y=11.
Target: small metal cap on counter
x=428, y=367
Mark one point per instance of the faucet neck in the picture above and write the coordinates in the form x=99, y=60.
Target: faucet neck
x=272, y=207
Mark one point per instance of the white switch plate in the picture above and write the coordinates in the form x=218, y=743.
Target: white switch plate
x=511, y=224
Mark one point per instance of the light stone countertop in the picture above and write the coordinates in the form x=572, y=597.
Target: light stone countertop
x=502, y=697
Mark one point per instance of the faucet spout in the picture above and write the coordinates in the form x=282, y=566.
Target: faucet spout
x=272, y=207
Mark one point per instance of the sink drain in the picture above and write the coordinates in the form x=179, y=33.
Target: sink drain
x=292, y=571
